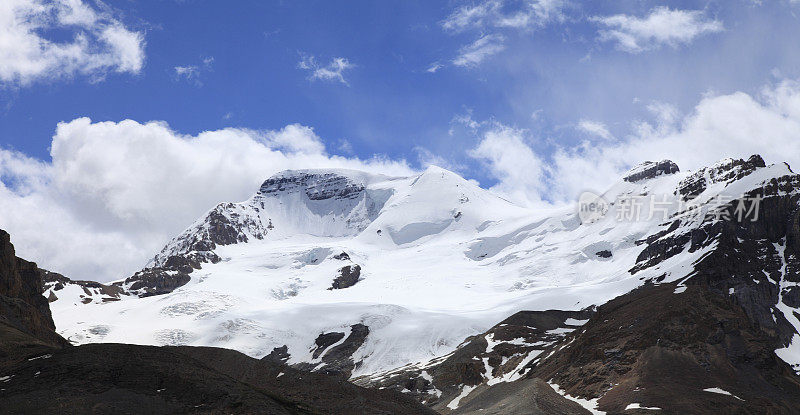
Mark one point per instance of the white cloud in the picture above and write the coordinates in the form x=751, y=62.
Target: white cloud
x=188, y=72
x=98, y=43
x=595, y=128
x=115, y=192
x=427, y=158
x=192, y=73
x=295, y=138
x=497, y=16
x=733, y=125
x=345, y=147
x=477, y=51
x=334, y=71
x=519, y=171
x=434, y=67
x=663, y=26
x=526, y=14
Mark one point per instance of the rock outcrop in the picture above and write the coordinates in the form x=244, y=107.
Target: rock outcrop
x=753, y=259
x=23, y=308
x=649, y=170
x=725, y=171
x=665, y=347
x=53, y=282
x=348, y=277
x=332, y=353
x=505, y=353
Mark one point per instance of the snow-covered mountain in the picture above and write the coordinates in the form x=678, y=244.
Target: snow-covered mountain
x=357, y=274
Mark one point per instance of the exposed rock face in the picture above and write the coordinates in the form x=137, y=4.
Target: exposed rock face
x=650, y=169
x=342, y=257
x=504, y=353
x=348, y=277
x=525, y=397
x=333, y=354
x=725, y=171
x=753, y=261
x=23, y=308
x=53, y=282
x=324, y=341
x=226, y=224
x=315, y=185
x=155, y=281
x=604, y=253
x=661, y=347
x=144, y=283
x=278, y=355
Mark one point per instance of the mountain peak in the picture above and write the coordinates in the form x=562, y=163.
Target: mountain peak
x=725, y=171
x=317, y=184
x=650, y=169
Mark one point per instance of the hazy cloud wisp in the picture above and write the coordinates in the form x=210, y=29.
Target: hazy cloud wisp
x=663, y=26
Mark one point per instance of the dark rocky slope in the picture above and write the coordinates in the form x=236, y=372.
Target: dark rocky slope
x=25, y=319
x=41, y=373
x=504, y=351
x=660, y=348
x=524, y=397
x=121, y=378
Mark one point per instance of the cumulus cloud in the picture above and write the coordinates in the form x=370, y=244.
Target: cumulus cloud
x=296, y=138
x=504, y=14
x=519, y=171
x=732, y=125
x=97, y=42
x=333, y=71
x=663, y=26
x=115, y=192
x=477, y=51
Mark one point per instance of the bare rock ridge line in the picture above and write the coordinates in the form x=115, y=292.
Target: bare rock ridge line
x=649, y=170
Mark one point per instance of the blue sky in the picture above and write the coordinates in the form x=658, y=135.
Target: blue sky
x=391, y=104
x=537, y=99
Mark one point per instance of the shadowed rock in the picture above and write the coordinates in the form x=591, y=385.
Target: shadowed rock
x=348, y=277
x=650, y=169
